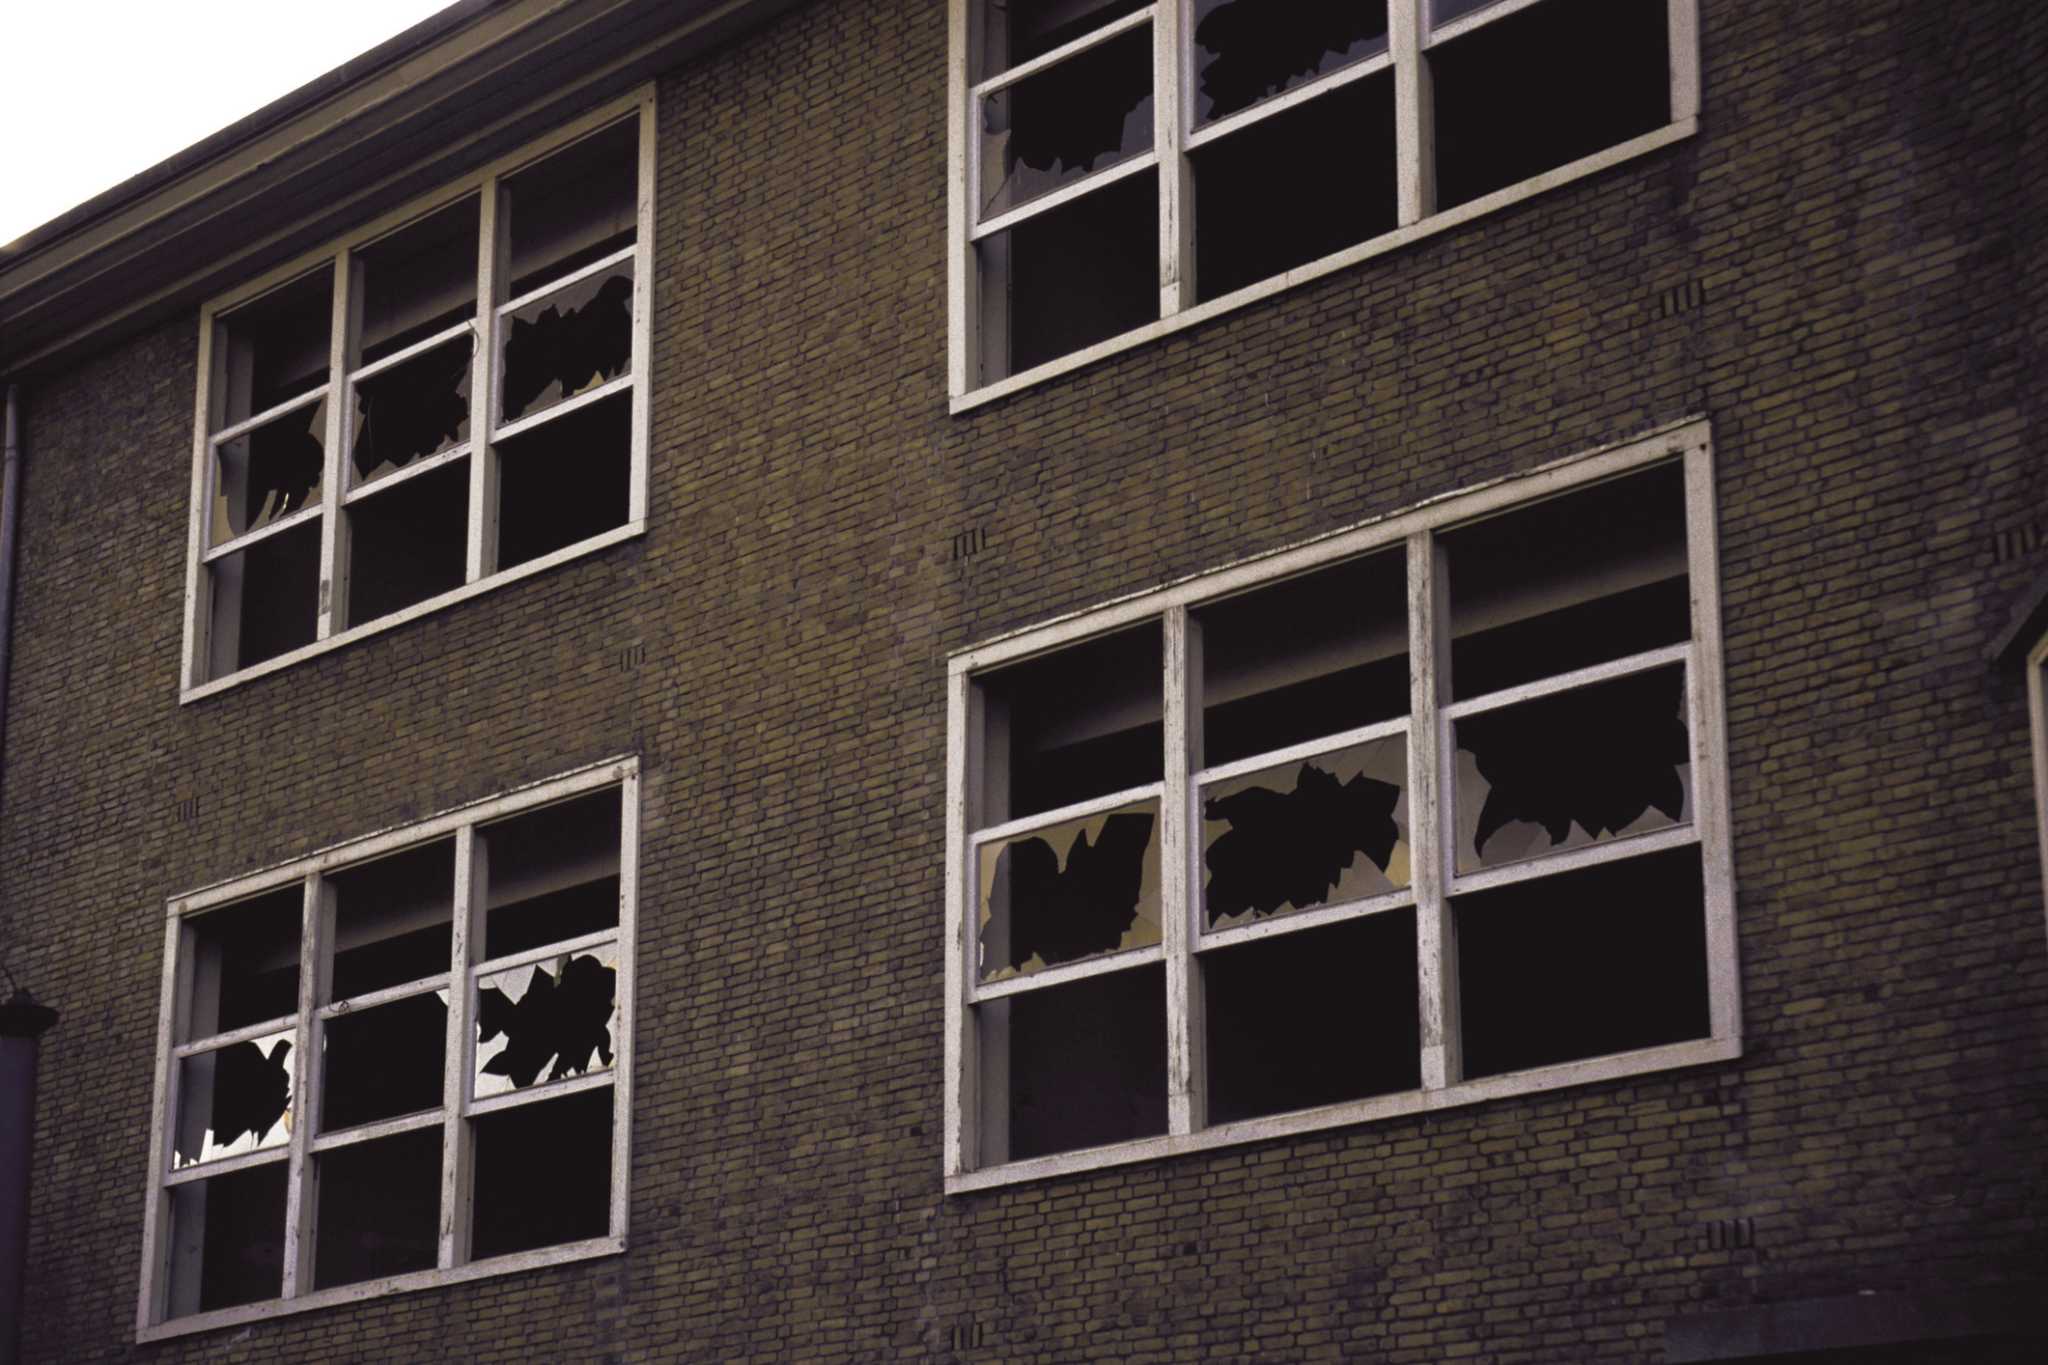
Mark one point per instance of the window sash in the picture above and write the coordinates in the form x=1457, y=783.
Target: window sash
x=1410, y=34
x=1431, y=824
x=339, y=487
x=455, y=1109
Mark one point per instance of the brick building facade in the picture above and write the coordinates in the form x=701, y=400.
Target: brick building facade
x=1791, y=332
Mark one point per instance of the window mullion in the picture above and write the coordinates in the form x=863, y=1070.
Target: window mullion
x=470, y=879
x=1429, y=816
x=480, y=555
x=962, y=292
x=1185, y=1069
x=1170, y=122
x=333, y=604
x=1683, y=25
x=1413, y=133
x=314, y=922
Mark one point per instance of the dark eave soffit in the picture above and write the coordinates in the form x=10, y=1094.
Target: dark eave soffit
x=470, y=83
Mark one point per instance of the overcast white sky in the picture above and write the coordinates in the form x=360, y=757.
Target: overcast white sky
x=93, y=91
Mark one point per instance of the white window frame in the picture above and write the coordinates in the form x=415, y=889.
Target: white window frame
x=485, y=429
x=459, y=1105
x=1175, y=137
x=1434, y=877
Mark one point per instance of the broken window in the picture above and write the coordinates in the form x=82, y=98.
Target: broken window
x=1216, y=867
x=1121, y=163
x=468, y=999
x=463, y=404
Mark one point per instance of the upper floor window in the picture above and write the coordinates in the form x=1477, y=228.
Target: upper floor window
x=397, y=1063
x=1427, y=814
x=1125, y=166
x=449, y=398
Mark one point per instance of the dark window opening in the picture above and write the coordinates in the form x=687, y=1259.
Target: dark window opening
x=1311, y=656
x=274, y=348
x=267, y=474
x=379, y=1208
x=1573, y=768
x=418, y=281
x=1272, y=196
x=1543, y=87
x=392, y=918
x=1085, y=1062
x=1076, y=890
x=265, y=599
x=551, y=874
x=383, y=1062
x=1248, y=50
x=245, y=963
x=1576, y=580
x=1081, y=722
x=1015, y=31
x=1084, y=115
x=577, y=206
x=418, y=407
x=1072, y=276
x=543, y=1174
x=1319, y=831
x=571, y=341
x=565, y=480
x=408, y=543
x=1606, y=959
x=1313, y=1018
x=227, y=1235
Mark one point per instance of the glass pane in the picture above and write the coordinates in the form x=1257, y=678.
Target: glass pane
x=1084, y=115
x=576, y=206
x=543, y=1174
x=1079, y=273
x=1575, y=768
x=1580, y=76
x=1248, y=50
x=1575, y=580
x=1317, y=831
x=546, y=1021
x=392, y=918
x=234, y=1100
x=1081, y=722
x=418, y=407
x=1310, y=656
x=245, y=963
x=1441, y=12
x=1313, y=1018
x=1070, y=891
x=418, y=280
x=408, y=543
x=379, y=1208
x=1012, y=32
x=383, y=1062
x=568, y=342
x=565, y=480
x=273, y=349
x=551, y=874
x=264, y=475
x=1583, y=964
x=1078, y=1065
x=265, y=599
x=227, y=1240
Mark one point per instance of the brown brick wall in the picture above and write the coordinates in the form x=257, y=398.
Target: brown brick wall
x=1862, y=210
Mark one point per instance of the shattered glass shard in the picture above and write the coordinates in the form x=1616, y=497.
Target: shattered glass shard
x=1249, y=50
x=417, y=408
x=564, y=1017
x=267, y=474
x=1069, y=892
x=1084, y=115
x=572, y=340
x=233, y=1100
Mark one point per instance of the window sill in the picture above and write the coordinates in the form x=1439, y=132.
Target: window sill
x=418, y=609
x=1594, y=1069
x=377, y=1289
x=1314, y=270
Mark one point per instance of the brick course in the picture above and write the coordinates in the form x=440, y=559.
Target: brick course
x=1862, y=207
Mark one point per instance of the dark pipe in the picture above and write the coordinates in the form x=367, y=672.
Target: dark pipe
x=22, y=1022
